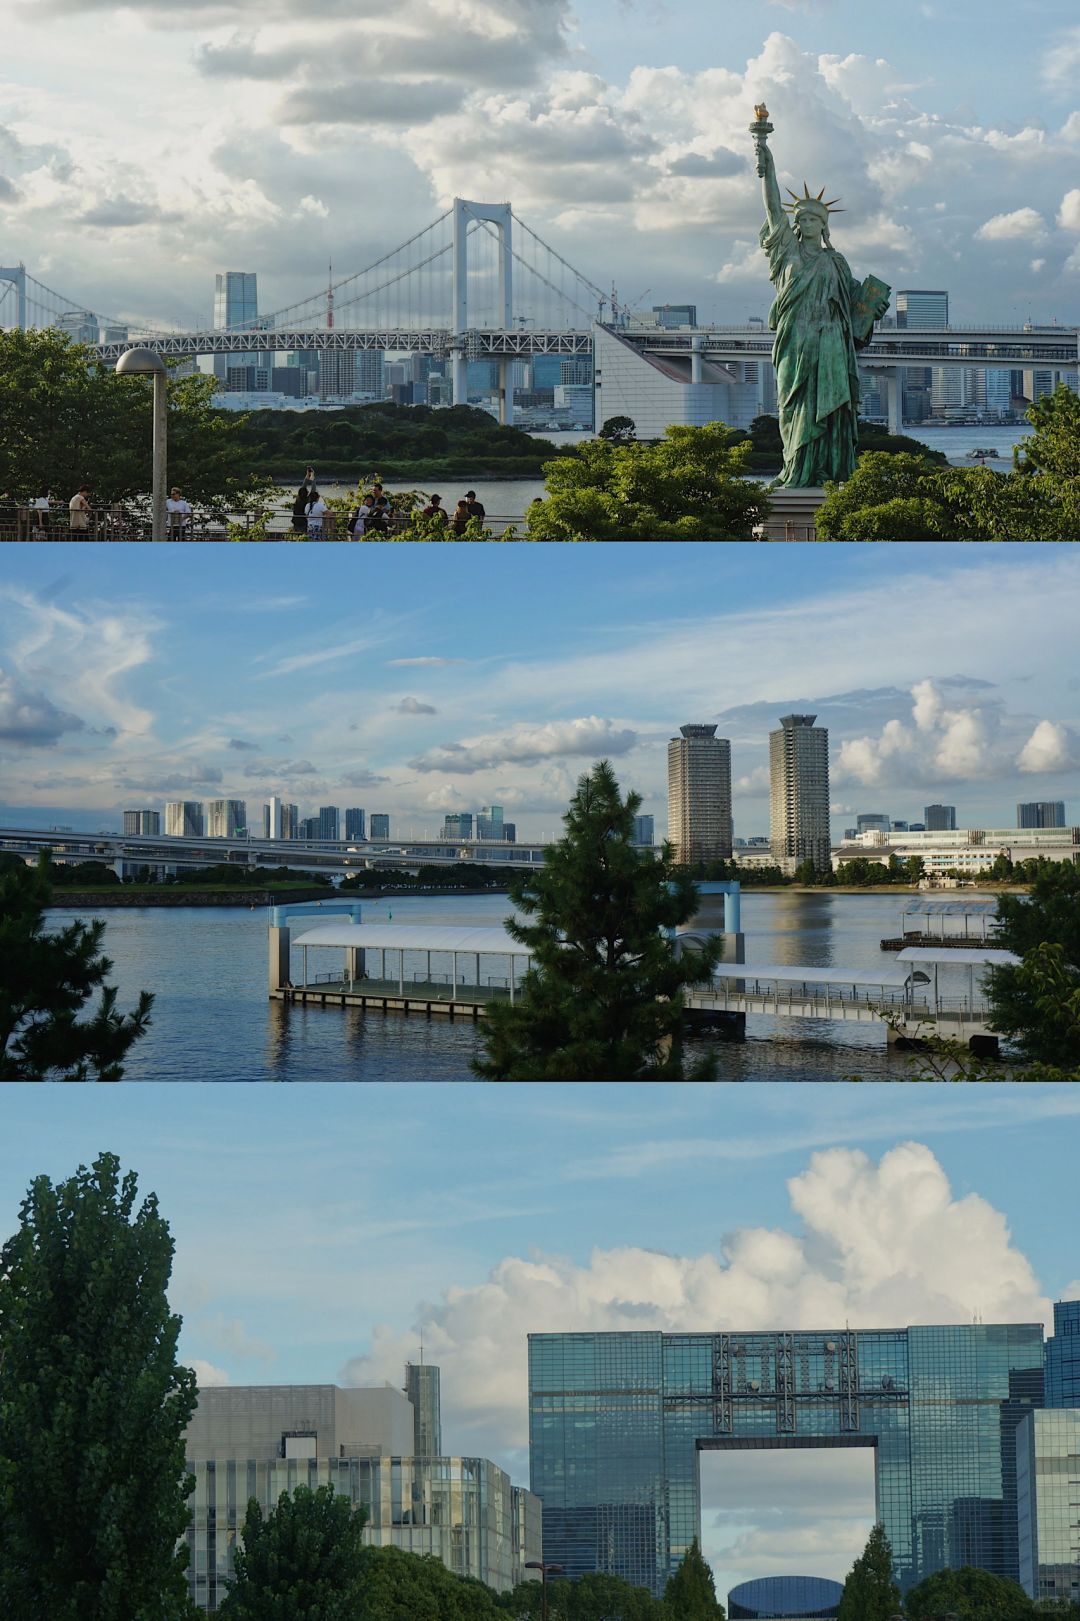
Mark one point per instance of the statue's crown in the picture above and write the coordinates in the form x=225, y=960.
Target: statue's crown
x=807, y=200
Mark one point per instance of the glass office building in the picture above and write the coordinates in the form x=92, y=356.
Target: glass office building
x=617, y=1423
x=1048, y=1491
x=1063, y=1357
x=774, y=1598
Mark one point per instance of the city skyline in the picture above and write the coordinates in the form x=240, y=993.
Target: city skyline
x=483, y=1215
x=437, y=696
x=964, y=181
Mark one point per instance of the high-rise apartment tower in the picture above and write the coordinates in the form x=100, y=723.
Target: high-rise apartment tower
x=699, y=795
x=799, y=792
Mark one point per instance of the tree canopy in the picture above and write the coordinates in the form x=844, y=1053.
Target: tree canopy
x=46, y=980
x=870, y=1593
x=690, y=485
x=1037, y=1002
x=910, y=497
x=968, y=1594
x=603, y=999
x=69, y=419
x=690, y=1595
x=304, y=1561
x=93, y=1407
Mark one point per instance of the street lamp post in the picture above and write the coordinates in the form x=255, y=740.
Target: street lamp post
x=147, y=363
x=545, y=1571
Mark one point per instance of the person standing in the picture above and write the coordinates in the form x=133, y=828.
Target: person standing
x=316, y=512
x=476, y=508
x=179, y=512
x=305, y=495
x=460, y=521
x=436, y=510
x=39, y=514
x=79, y=511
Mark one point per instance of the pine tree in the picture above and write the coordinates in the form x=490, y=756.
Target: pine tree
x=690, y=1594
x=603, y=998
x=46, y=980
x=93, y=1408
x=870, y=1594
x=304, y=1561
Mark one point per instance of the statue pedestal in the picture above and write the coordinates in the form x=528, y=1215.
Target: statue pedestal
x=794, y=513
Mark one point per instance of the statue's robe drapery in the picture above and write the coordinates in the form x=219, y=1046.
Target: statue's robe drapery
x=817, y=377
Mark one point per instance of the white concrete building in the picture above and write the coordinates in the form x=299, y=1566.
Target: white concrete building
x=965, y=850
x=657, y=391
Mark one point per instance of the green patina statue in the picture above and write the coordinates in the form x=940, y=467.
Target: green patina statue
x=821, y=315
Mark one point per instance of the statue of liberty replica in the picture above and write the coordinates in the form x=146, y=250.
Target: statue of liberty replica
x=821, y=316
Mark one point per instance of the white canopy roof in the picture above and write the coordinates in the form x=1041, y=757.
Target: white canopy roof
x=888, y=973
x=413, y=937
x=961, y=955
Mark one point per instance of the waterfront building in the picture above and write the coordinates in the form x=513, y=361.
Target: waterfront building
x=919, y=307
x=1063, y=1356
x=183, y=819
x=489, y=823
x=81, y=326
x=457, y=825
x=226, y=818
x=872, y=819
x=145, y=823
x=778, y=1598
x=799, y=793
x=273, y=818
x=261, y=1440
x=309, y=827
x=644, y=830
x=699, y=795
x=337, y=374
x=656, y=391
x=354, y=823
x=329, y=825
x=1048, y=1491
x=290, y=821
x=968, y=851
x=380, y=826
x=940, y=818
x=1041, y=813
x=618, y=1422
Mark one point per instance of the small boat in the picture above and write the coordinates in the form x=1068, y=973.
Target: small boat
x=982, y=455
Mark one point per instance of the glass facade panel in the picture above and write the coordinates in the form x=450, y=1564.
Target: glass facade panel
x=1063, y=1356
x=617, y=1422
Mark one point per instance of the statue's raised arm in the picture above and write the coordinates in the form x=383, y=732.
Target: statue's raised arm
x=821, y=315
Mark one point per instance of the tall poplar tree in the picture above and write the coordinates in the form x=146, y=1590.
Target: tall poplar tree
x=304, y=1561
x=93, y=1407
x=870, y=1594
x=690, y=1594
x=603, y=998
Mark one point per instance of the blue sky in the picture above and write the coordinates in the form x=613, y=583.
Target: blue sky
x=416, y=680
x=297, y=132
x=320, y=1230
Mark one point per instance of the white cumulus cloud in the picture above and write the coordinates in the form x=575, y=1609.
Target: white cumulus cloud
x=1021, y=223
x=1049, y=748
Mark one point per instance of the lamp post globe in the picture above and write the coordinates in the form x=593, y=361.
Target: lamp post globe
x=148, y=363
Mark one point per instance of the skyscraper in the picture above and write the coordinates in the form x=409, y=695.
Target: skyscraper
x=354, y=823
x=226, y=818
x=457, y=825
x=940, y=818
x=144, y=823
x=644, y=830
x=920, y=308
x=799, y=792
x=380, y=826
x=183, y=819
x=1041, y=813
x=236, y=304
x=290, y=821
x=329, y=823
x=699, y=794
x=274, y=818
x=489, y=823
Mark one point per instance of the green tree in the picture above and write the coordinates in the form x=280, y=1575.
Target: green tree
x=46, y=980
x=68, y=418
x=969, y=1595
x=1036, y=1003
x=688, y=486
x=603, y=999
x=888, y=497
x=1054, y=447
x=870, y=1593
x=690, y=1595
x=916, y=869
x=304, y=1561
x=619, y=430
x=93, y=1407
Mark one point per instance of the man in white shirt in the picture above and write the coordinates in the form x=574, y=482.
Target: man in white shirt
x=179, y=512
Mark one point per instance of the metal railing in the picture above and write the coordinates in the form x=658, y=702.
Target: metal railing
x=24, y=524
